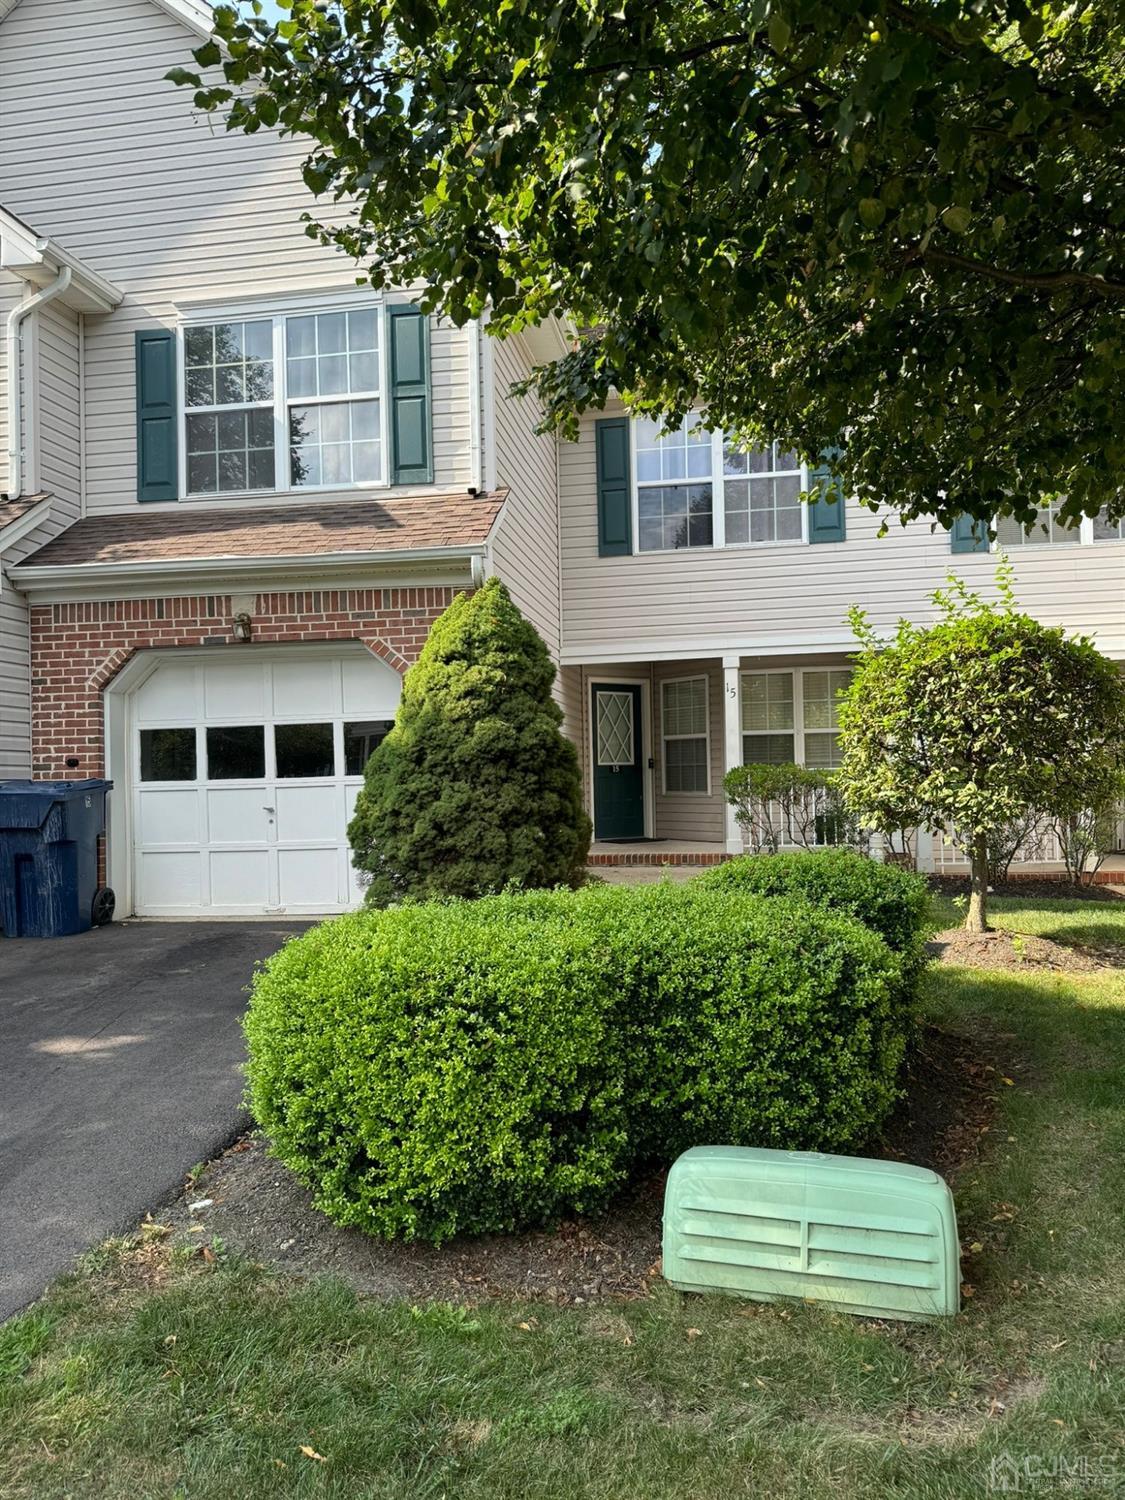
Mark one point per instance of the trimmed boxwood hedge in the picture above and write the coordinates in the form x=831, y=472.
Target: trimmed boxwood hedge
x=479, y=1066
x=889, y=900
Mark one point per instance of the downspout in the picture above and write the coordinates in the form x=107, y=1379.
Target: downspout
x=476, y=473
x=15, y=395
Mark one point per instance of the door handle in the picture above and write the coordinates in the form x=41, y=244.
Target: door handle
x=268, y=809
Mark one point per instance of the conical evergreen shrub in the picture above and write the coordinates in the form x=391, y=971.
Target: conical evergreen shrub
x=475, y=788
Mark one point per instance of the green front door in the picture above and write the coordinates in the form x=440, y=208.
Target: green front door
x=619, y=787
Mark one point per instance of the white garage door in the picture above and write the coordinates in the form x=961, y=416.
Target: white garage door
x=245, y=774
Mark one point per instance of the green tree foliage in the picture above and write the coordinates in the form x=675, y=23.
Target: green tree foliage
x=475, y=787
x=964, y=724
x=899, y=219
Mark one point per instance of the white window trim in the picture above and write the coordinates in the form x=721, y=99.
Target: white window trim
x=798, y=731
x=718, y=505
x=706, y=736
x=277, y=311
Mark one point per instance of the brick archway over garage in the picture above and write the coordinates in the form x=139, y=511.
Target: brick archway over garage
x=78, y=649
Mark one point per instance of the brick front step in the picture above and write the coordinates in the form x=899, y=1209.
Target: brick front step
x=655, y=860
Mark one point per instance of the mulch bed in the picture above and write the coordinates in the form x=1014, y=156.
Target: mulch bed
x=1006, y=950
x=259, y=1209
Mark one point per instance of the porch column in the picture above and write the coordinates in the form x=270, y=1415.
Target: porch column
x=732, y=746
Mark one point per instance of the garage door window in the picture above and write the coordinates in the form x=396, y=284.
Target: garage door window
x=236, y=752
x=360, y=739
x=304, y=750
x=167, y=754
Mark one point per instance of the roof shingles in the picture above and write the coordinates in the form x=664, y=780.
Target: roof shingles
x=299, y=531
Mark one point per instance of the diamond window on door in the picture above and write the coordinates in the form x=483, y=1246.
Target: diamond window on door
x=615, y=729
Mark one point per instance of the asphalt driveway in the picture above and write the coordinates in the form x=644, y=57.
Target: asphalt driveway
x=119, y=1070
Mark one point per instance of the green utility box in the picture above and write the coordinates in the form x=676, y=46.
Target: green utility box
x=875, y=1238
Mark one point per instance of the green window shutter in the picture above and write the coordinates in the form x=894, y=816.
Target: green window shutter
x=826, y=512
x=412, y=447
x=968, y=535
x=615, y=509
x=158, y=471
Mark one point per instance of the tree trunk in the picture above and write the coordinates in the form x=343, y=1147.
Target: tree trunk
x=977, y=918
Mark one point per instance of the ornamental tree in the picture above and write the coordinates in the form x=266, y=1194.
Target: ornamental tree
x=964, y=724
x=899, y=220
x=475, y=788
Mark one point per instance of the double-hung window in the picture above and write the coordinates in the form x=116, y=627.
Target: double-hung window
x=792, y=717
x=767, y=718
x=698, y=489
x=229, y=394
x=820, y=696
x=674, y=486
x=1047, y=530
x=1105, y=530
x=762, y=495
x=684, y=733
x=287, y=401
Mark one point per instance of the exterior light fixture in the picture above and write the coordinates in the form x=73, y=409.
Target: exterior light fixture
x=242, y=627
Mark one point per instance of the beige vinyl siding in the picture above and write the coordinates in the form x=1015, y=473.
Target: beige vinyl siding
x=568, y=692
x=57, y=342
x=690, y=815
x=115, y=164
x=794, y=597
x=525, y=550
x=15, y=685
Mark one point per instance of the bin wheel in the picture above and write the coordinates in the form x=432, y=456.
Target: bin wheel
x=104, y=903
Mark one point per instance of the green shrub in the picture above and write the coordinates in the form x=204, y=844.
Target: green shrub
x=431, y=1069
x=486, y=1065
x=475, y=787
x=783, y=803
x=891, y=901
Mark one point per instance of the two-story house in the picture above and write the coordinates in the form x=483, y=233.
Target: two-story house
x=238, y=487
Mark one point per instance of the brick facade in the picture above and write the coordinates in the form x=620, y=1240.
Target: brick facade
x=77, y=649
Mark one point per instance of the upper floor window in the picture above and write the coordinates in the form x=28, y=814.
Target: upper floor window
x=697, y=489
x=1048, y=531
x=674, y=486
x=284, y=402
x=1105, y=530
x=762, y=495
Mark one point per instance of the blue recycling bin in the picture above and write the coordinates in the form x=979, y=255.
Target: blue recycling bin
x=49, y=857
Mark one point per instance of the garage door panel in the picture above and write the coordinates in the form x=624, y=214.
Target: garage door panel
x=306, y=690
x=173, y=879
x=234, y=692
x=306, y=875
x=371, y=689
x=240, y=877
x=169, y=695
x=309, y=814
x=168, y=817
x=237, y=815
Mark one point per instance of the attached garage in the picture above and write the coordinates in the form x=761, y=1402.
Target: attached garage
x=236, y=773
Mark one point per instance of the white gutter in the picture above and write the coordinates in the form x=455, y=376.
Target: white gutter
x=16, y=318
x=197, y=571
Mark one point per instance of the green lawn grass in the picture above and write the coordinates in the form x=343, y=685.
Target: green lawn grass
x=207, y=1384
